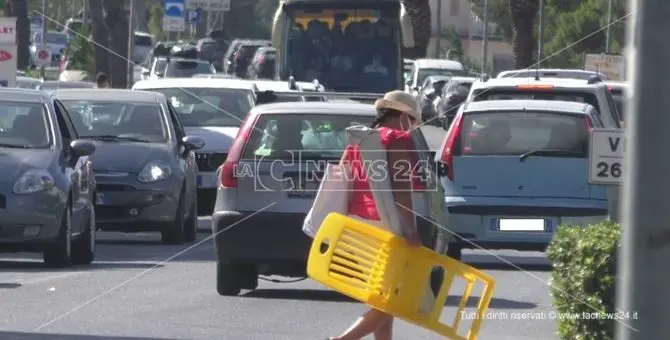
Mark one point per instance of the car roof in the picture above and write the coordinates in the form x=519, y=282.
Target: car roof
x=338, y=108
x=36, y=80
x=462, y=79
x=438, y=63
x=551, y=70
x=177, y=59
x=110, y=95
x=23, y=95
x=273, y=85
x=512, y=82
x=166, y=83
x=531, y=105
x=57, y=82
x=439, y=77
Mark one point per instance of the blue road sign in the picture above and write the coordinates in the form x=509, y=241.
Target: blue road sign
x=173, y=15
x=193, y=16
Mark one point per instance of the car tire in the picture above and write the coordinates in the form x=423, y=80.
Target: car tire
x=227, y=279
x=58, y=254
x=83, y=248
x=173, y=233
x=455, y=251
x=191, y=224
x=248, y=277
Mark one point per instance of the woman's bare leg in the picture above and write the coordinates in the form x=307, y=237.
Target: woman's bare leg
x=366, y=324
x=385, y=331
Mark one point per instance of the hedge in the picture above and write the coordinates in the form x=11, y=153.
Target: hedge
x=583, y=278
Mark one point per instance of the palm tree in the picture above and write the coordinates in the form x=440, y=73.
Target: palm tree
x=419, y=12
x=100, y=35
x=116, y=20
x=19, y=9
x=523, y=13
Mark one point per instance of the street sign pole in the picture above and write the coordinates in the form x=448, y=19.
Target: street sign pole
x=643, y=270
x=43, y=71
x=131, y=44
x=606, y=154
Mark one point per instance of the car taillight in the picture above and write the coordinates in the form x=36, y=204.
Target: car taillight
x=261, y=60
x=227, y=172
x=447, y=156
x=238, y=55
x=589, y=124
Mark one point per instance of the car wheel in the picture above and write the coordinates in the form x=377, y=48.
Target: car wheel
x=227, y=279
x=58, y=255
x=174, y=232
x=248, y=277
x=454, y=251
x=191, y=225
x=83, y=248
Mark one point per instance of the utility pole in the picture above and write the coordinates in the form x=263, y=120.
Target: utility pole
x=540, y=32
x=131, y=44
x=438, y=41
x=485, y=38
x=43, y=37
x=607, y=28
x=643, y=266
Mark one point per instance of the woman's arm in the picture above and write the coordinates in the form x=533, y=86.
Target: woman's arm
x=400, y=173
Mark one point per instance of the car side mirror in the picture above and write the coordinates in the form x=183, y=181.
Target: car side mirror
x=191, y=143
x=81, y=148
x=146, y=73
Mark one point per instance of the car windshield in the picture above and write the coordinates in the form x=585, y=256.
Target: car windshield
x=209, y=106
x=518, y=133
x=143, y=40
x=50, y=86
x=187, y=68
x=537, y=94
x=133, y=121
x=309, y=136
x=23, y=125
x=427, y=72
x=57, y=38
x=348, y=50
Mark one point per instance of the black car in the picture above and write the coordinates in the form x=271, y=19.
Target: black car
x=211, y=50
x=46, y=188
x=430, y=92
x=144, y=166
x=242, y=56
x=453, y=95
x=264, y=63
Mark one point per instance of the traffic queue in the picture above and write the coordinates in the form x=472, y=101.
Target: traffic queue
x=512, y=165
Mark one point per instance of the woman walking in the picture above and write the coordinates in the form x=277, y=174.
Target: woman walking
x=397, y=114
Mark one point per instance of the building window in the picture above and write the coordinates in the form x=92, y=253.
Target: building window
x=455, y=7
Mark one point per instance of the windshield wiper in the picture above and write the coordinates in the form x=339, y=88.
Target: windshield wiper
x=545, y=152
x=117, y=138
x=14, y=146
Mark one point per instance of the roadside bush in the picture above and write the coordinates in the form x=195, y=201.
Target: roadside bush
x=583, y=278
x=81, y=53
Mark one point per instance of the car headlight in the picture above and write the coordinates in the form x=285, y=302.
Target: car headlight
x=34, y=181
x=155, y=171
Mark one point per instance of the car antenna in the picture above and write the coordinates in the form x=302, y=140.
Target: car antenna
x=537, y=71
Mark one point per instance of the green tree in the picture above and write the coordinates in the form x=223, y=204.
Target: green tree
x=580, y=29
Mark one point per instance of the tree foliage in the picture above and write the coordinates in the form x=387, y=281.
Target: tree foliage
x=570, y=27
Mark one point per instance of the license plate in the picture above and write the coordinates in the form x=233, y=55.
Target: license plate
x=521, y=224
x=100, y=198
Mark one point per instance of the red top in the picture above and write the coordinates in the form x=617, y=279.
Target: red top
x=362, y=203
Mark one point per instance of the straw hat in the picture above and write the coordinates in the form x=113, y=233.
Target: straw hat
x=401, y=101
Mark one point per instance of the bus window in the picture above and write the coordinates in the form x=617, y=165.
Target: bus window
x=352, y=50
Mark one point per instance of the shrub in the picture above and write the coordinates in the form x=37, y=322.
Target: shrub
x=583, y=278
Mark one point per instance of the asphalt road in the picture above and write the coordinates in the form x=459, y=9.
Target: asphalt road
x=132, y=292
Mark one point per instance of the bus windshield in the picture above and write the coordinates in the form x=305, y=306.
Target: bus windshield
x=348, y=50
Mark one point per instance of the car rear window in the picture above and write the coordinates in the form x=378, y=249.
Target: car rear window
x=536, y=94
x=143, y=40
x=187, y=69
x=517, y=133
x=308, y=136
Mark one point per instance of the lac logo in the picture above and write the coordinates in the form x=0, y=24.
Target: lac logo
x=4, y=55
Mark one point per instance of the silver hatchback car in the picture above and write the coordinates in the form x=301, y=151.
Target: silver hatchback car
x=514, y=170
x=269, y=181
